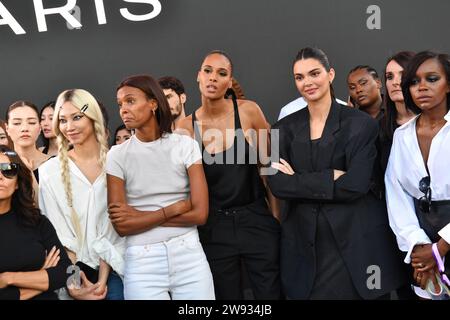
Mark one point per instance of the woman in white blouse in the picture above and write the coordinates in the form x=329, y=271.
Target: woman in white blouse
x=73, y=193
x=417, y=178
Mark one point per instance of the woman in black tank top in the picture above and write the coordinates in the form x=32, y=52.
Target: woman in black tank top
x=241, y=232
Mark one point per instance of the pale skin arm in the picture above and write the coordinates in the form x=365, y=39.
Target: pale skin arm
x=87, y=291
x=31, y=283
x=103, y=274
x=27, y=294
x=51, y=260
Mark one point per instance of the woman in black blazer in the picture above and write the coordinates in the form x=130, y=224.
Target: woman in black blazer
x=336, y=242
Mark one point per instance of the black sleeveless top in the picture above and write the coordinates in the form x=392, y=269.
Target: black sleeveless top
x=232, y=175
x=45, y=150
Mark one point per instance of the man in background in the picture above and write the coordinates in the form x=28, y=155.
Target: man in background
x=175, y=95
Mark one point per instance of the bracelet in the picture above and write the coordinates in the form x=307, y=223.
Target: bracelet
x=164, y=213
x=437, y=257
x=440, y=264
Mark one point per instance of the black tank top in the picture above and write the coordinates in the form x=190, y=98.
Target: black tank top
x=232, y=176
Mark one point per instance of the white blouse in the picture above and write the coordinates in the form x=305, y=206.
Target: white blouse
x=100, y=240
x=405, y=169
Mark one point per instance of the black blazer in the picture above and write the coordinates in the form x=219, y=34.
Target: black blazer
x=358, y=220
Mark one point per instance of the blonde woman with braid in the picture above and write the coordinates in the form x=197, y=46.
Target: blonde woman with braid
x=73, y=194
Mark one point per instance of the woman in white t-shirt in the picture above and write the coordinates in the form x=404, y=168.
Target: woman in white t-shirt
x=157, y=195
x=72, y=194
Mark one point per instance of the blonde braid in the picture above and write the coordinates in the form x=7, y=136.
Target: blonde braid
x=87, y=104
x=63, y=147
x=100, y=135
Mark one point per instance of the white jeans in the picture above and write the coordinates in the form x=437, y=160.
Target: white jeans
x=175, y=269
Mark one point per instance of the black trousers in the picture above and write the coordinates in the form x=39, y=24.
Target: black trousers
x=248, y=235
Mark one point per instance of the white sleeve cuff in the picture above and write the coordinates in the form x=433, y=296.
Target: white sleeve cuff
x=417, y=237
x=112, y=255
x=444, y=233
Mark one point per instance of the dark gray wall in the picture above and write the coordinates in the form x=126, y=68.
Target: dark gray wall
x=262, y=37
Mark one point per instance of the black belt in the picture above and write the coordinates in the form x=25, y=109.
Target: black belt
x=438, y=217
x=234, y=210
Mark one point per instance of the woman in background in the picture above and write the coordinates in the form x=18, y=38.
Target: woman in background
x=48, y=136
x=5, y=140
x=396, y=114
x=23, y=127
x=121, y=135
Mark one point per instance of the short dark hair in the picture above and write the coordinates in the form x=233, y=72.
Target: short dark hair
x=152, y=90
x=171, y=83
x=410, y=74
x=369, y=70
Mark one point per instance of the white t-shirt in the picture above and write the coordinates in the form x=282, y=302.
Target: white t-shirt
x=155, y=175
x=296, y=105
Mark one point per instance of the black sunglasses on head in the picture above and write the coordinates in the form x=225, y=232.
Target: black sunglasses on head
x=425, y=201
x=9, y=170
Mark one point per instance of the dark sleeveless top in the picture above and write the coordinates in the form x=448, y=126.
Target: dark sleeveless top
x=45, y=150
x=232, y=175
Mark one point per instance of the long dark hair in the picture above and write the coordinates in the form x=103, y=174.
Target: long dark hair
x=319, y=55
x=152, y=90
x=22, y=201
x=410, y=74
x=46, y=141
x=389, y=124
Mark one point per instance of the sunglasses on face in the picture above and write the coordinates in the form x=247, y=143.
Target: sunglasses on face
x=425, y=200
x=9, y=170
